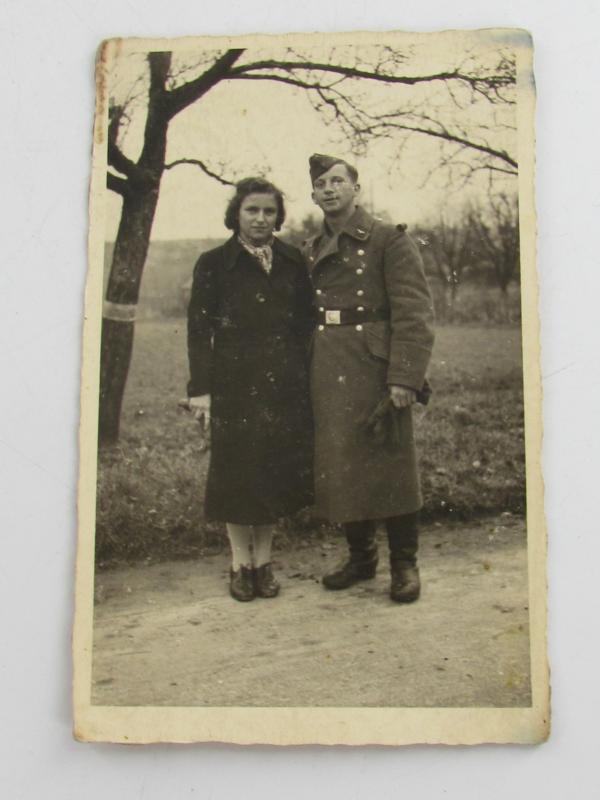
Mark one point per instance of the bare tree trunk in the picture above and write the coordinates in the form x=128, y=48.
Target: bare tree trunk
x=453, y=296
x=449, y=296
x=117, y=345
x=131, y=248
x=504, y=308
x=140, y=196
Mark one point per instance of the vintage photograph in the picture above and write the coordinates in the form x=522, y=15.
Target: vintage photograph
x=310, y=503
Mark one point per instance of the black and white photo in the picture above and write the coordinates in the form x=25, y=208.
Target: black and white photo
x=310, y=504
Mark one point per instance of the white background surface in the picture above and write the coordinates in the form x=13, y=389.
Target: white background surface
x=47, y=52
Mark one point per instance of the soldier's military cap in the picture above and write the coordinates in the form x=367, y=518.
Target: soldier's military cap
x=319, y=164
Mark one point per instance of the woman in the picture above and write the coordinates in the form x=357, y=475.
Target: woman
x=249, y=324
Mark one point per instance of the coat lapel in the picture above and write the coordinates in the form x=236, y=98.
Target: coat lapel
x=321, y=247
x=328, y=247
x=231, y=252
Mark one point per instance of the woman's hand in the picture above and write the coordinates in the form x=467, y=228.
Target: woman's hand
x=402, y=397
x=200, y=408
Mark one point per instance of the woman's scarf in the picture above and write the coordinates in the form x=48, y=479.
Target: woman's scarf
x=263, y=253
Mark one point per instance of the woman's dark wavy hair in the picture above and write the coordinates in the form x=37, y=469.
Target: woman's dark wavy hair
x=252, y=186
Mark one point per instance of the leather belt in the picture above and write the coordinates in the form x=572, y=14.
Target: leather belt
x=350, y=316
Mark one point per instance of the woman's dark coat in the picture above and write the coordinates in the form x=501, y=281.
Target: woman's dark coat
x=248, y=334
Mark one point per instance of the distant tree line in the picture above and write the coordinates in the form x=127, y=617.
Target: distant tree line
x=471, y=258
x=479, y=246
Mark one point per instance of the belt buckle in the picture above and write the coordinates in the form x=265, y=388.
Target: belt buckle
x=333, y=317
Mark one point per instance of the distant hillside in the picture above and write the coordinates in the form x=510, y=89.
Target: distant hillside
x=168, y=269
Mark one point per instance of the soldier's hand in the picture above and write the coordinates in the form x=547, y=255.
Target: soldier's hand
x=200, y=408
x=402, y=396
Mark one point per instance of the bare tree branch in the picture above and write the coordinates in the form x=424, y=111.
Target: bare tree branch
x=116, y=158
x=490, y=168
x=450, y=137
x=197, y=163
x=280, y=79
x=477, y=82
x=181, y=97
x=499, y=236
x=116, y=184
x=355, y=120
x=120, y=161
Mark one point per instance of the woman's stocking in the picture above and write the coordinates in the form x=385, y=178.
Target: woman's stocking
x=263, y=537
x=239, y=539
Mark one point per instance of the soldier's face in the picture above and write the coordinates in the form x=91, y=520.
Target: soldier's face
x=257, y=218
x=335, y=192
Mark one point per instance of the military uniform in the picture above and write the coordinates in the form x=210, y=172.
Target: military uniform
x=374, y=330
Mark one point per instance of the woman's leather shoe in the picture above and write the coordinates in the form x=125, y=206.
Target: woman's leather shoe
x=265, y=584
x=241, y=585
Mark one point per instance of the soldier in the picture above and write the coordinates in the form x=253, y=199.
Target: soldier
x=371, y=350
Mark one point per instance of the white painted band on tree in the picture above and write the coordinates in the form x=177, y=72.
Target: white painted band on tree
x=119, y=312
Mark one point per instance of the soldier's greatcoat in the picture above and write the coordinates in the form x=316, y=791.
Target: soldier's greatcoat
x=369, y=267
x=248, y=337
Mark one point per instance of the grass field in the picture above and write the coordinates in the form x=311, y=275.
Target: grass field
x=470, y=439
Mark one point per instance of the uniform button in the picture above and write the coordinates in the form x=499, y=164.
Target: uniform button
x=360, y=293
x=359, y=327
x=360, y=308
x=321, y=327
x=359, y=271
x=361, y=252
x=319, y=291
x=321, y=310
x=346, y=259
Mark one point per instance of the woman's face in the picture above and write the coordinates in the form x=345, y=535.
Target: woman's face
x=258, y=215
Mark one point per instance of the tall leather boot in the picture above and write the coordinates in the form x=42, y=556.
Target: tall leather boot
x=362, y=562
x=403, y=539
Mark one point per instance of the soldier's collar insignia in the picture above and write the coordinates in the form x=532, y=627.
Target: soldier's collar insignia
x=359, y=225
x=359, y=233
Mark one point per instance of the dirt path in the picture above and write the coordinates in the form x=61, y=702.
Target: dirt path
x=169, y=634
